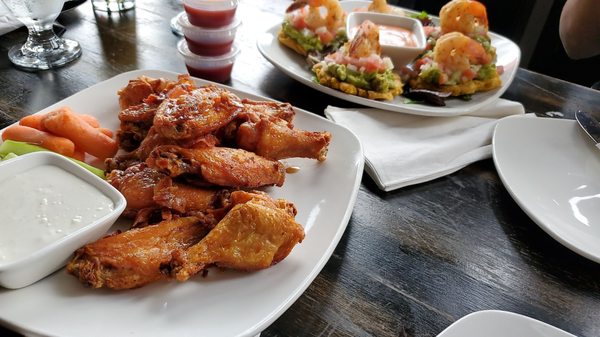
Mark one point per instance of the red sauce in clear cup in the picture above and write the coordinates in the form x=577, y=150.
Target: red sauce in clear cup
x=219, y=74
x=209, y=49
x=209, y=18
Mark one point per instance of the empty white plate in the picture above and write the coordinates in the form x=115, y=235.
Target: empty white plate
x=552, y=170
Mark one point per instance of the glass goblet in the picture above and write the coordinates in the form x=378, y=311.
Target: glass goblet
x=43, y=48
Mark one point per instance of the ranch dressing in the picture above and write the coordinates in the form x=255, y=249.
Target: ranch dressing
x=42, y=205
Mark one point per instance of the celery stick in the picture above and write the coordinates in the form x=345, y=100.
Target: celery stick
x=20, y=148
x=8, y=156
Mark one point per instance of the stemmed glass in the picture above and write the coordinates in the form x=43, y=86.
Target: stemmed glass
x=43, y=48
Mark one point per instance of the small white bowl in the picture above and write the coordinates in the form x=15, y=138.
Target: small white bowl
x=208, y=41
x=400, y=55
x=212, y=68
x=28, y=263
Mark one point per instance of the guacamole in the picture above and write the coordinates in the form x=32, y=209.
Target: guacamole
x=375, y=81
x=311, y=42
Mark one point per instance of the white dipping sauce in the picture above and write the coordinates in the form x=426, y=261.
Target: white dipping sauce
x=42, y=205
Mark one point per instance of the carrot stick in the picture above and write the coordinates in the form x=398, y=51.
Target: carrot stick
x=65, y=123
x=44, y=139
x=78, y=154
x=91, y=120
x=106, y=131
x=33, y=121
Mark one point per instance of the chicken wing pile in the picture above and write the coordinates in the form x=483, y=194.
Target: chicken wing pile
x=192, y=160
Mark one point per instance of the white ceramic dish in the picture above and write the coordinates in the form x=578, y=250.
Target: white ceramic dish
x=496, y=323
x=223, y=303
x=294, y=65
x=30, y=268
x=552, y=170
x=400, y=55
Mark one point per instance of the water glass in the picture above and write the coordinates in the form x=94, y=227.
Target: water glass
x=43, y=48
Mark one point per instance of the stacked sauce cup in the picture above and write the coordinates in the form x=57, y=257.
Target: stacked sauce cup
x=209, y=28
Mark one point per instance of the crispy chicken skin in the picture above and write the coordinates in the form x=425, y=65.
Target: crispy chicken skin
x=277, y=141
x=220, y=166
x=184, y=198
x=146, y=188
x=141, y=89
x=257, y=109
x=198, y=113
x=132, y=259
x=253, y=235
x=152, y=140
x=137, y=184
x=138, y=111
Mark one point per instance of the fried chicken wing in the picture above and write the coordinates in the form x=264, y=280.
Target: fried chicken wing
x=253, y=235
x=152, y=140
x=132, y=259
x=139, y=101
x=219, y=166
x=137, y=184
x=198, y=113
x=185, y=198
x=258, y=109
x=143, y=88
x=277, y=141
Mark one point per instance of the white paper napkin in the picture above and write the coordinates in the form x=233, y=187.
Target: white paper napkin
x=402, y=149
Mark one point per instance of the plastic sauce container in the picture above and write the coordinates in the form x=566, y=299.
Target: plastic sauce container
x=210, y=13
x=212, y=68
x=208, y=41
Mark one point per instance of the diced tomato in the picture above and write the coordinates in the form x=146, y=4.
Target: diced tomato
x=500, y=70
x=468, y=75
x=325, y=36
x=419, y=63
x=298, y=22
x=372, y=64
x=443, y=78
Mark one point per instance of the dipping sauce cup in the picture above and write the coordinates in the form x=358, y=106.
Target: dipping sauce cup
x=401, y=38
x=208, y=41
x=210, y=13
x=212, y=68
x=51, y=207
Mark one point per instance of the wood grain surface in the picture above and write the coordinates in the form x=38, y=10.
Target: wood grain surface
x=412, y=261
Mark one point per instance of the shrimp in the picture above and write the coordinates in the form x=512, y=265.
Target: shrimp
x=365, y=41
x=381, y=6
x=315, y=18
x=456, y=52
x=466, y=16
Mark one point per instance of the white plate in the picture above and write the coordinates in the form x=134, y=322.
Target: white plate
x=224, y=303
x=495, y=323
x=295, y=66
x=552, y=170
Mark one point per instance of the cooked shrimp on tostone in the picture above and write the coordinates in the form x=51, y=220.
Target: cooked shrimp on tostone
x=466, y=16
x=324, y=17
x=456, y=52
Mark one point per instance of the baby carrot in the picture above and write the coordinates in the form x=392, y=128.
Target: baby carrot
x=33, y=121
x=65, y=123
x=91, y=120
x=106, y=131
x=44, y=139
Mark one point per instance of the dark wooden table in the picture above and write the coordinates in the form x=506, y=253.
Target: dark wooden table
x=411, y=262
